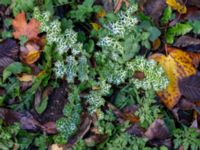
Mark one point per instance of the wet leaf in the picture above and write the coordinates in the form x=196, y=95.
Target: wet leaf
x=22, y=28
x=190, y=88
x=177, y=65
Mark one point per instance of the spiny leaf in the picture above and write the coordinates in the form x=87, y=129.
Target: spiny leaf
x=22, y=28
x=190, y=87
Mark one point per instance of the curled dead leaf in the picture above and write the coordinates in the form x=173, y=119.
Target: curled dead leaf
x=30, y=53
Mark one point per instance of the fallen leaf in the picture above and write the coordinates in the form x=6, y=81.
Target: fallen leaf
x=194, y=3
x=25, y=77
x=22, y=28
x=56, y=147
x=154, y=8
x=156, y=44
x=9, y=48
x=188, y=43
x=101, y=14
x=136, y=130
x=177, y=65
x=177, y=6
x=157, y=130
x=30, y=53
x=190, y=88
x=5, y=62
x=95, y=26
x=50, y=127
x=108, y=5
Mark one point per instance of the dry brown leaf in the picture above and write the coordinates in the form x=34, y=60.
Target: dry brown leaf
x=177, y=65
x=22, y=28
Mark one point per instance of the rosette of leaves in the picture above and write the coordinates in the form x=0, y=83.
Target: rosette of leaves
x=120, y=41
x=70, y=58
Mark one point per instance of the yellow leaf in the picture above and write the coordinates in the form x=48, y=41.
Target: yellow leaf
x=25, y=77
x=177, y=65
x=30, y=53
x=95, y=26
x=101, y=14
x=32, y=56
x=177, y=6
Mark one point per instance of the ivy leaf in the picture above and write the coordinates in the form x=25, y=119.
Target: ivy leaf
x=177, y=65
x=190, y=87
x=177, y=6
x=22, y=28
x=177, y=30
x=15, y=68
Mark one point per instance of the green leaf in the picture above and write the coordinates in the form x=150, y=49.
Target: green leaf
x=177, y=30
x=5, y=2
x=196, y=26
x=15, y=68
x=43, y=105
x=166, y=15
x=154, y=33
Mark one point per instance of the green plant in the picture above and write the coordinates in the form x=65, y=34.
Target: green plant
x=19, y=5
x=177, y=30
x=147, y=111
x=188, y=137
x=124, y=141
x=84, y=10
x=68, y=124
x=8, y=136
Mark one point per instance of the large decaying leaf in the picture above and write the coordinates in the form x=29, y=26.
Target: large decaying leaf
x=190, y=87
x=22, y=28
x=177, y=65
